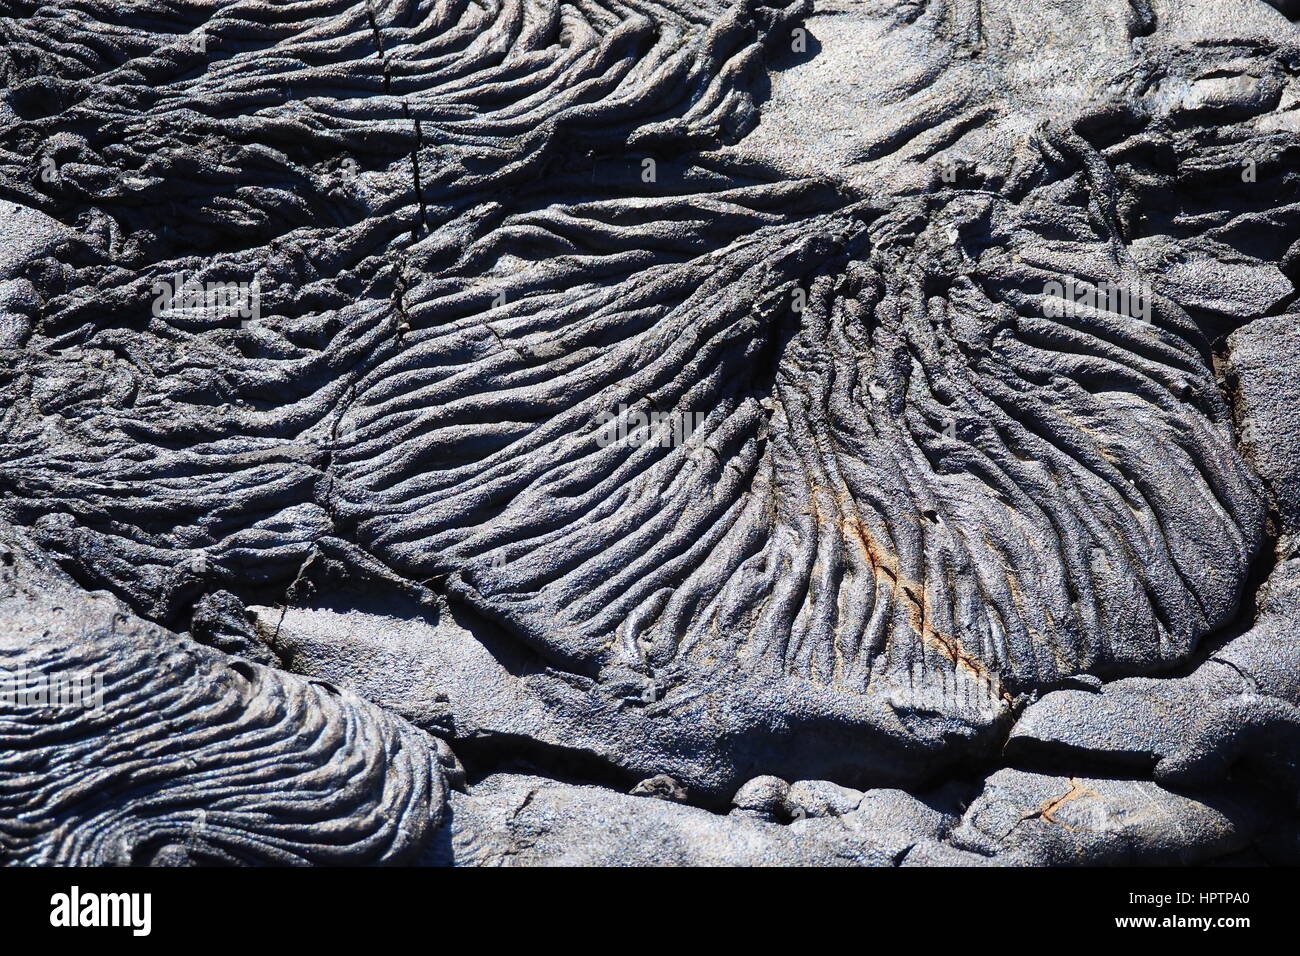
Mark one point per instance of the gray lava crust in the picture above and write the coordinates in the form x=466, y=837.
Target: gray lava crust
x=660, y=432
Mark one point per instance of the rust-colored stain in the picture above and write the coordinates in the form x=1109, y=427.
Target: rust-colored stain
x=913, y=597
x=1076, y=791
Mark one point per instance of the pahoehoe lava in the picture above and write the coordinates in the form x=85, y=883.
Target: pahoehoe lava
x=799, y=407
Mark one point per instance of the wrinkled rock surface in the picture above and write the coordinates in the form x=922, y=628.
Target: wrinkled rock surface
x=678, y=432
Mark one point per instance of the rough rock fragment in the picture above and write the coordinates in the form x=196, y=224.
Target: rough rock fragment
x=1032, y=819
x=531, y=821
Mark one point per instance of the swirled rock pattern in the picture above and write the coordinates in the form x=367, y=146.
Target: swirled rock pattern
x=709, y=389
x=123, y=744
